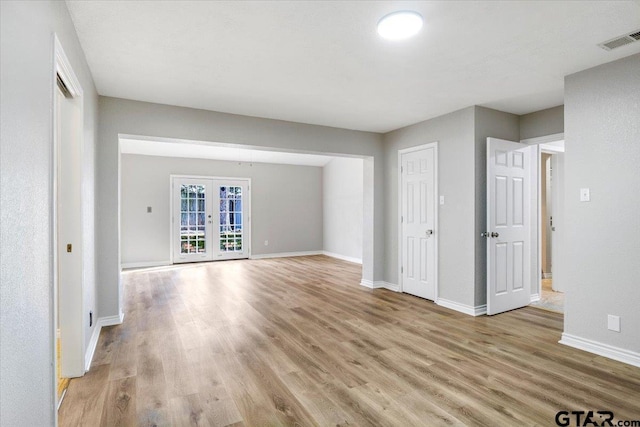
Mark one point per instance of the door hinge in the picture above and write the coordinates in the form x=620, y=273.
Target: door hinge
x=402, y=270
x=401, y=169
x=401, y=219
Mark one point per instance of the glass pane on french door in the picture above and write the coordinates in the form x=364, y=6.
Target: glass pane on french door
x=231, y=234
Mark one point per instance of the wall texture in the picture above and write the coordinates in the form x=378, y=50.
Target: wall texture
x=286, y=204
x=26, y=98
x=118, y=116
x=542, y=123
x=342, y=195
x=602, y=135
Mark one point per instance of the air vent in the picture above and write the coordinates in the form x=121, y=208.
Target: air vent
x=620, y=41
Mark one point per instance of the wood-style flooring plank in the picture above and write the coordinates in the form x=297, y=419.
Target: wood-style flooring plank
x=297, y=341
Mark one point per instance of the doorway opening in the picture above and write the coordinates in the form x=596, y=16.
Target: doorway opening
x=551, y=205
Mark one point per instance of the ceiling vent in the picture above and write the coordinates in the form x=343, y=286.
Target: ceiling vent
x=620, y=41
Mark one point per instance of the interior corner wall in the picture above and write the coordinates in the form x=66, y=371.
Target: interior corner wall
x=602, y=107
x=26, y=130
x=495, y=124
x=119, y=116
x=342, y=204
x=454, y=133
x=286, y=204
x=542, y=123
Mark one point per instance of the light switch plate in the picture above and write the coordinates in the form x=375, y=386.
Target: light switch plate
x=585, y=195
x=442, y=200
x=613, y=323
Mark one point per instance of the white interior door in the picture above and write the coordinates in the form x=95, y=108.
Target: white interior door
x=210, y=219
x=508, y=225
x=418, y=222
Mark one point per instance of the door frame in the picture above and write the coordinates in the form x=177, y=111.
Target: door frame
x=62, y=67
x=217, y=178
x=537, y=222
x=436, y=195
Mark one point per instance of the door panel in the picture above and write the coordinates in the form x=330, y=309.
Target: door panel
x=508, y=224
x=418, y=256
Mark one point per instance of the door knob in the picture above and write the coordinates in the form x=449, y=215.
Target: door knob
x=484, y=234
x=494, y=234
x=429, y=233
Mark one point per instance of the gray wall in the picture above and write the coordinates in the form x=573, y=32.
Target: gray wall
x=26, y=319
x=496, y=124
x=542, y=123
x=286, y=204
x=118, y=116
x=602, y=142
x=454, y=133
x=342, y=204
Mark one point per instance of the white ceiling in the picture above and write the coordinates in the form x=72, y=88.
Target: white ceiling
x=322, y=62
x=196, y=150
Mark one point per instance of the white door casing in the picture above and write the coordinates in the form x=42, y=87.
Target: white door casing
x=508, y=225
x=557, y=229
x=210, y=219
x=418, y=221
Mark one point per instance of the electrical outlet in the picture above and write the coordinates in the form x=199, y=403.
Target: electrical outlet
x=613, y=323
x=90, y=318
x=266, y=243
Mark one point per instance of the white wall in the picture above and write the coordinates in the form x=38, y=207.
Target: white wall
x=342, y=195
x=292, y=223
x=118, y=116
x=26, y=129
x=602, y=240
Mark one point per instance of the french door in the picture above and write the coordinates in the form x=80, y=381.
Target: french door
x=210, y=219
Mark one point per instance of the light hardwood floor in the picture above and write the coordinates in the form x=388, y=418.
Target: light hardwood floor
x=298, y=341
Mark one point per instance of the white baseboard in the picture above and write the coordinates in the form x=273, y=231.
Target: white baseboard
x=93, y=342
x=601, y=349
x=343, y=257
x=534, y=297
x=463, y=308
x=379, y=284
x=286, y=254
x=145, y=264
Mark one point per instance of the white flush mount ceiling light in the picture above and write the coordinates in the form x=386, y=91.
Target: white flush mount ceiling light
x=400, y=25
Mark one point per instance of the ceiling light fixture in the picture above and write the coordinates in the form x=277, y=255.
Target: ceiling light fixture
x=400, y=25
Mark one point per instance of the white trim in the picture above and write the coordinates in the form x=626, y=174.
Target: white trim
x=601, y=349
x=95, y=336
x=285, y=254
x=63, y=67
x=543, y=139
x=534, y=297
x=342, y=257
x=387, y=285
x=367, y=283
x=478, y=310
x=145, y=264
x=436, y=196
